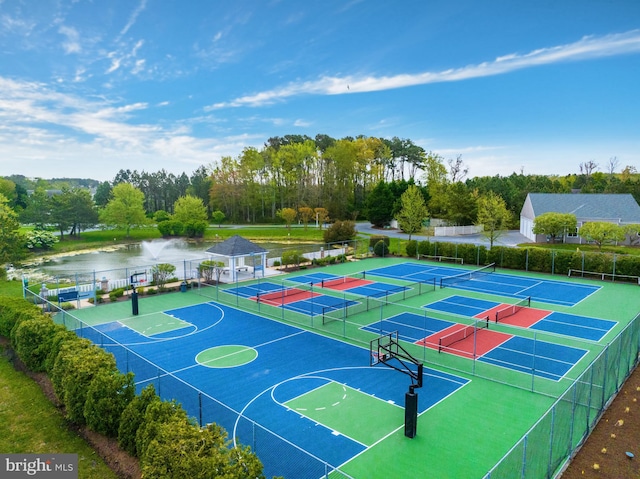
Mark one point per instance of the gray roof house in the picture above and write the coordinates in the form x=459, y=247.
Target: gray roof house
x=233, y=252
x=613, y=208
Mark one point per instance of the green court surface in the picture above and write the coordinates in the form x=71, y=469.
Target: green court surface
x=339, y=407
x=467, y=433
x=226, y=356
x=154, y=323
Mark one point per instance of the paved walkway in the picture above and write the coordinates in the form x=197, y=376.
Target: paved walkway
x=508, y=238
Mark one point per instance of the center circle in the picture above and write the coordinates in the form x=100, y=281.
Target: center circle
x=228, y=356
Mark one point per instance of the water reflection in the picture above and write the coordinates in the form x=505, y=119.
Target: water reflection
x=134, y=256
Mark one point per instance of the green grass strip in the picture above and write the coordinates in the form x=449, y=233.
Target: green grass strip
x=30, y=424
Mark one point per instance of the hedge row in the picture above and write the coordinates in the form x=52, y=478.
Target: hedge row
x=94, y=393
x=541, y=260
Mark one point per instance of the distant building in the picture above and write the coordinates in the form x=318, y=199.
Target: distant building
x=618, y=209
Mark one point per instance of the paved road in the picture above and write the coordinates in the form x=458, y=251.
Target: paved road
x=509, y=238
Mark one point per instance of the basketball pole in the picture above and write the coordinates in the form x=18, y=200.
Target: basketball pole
x=411, y=413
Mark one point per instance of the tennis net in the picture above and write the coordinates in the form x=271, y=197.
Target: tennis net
x=513, y=309
x=469, y=275
x=328, y=283
x=461, y=334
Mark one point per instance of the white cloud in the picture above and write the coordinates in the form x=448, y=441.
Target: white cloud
x=133, y=17
x=584, y=49
x=44, y=132
x=72, y=43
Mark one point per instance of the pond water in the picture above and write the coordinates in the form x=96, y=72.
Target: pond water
x=133, y=256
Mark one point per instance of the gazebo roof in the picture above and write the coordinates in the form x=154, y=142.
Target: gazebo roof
x=236, y=246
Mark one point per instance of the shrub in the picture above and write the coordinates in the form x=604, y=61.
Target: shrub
x=32, y=341
x=412, y=248
x=75, y=367
x=60, y=337
x=157, y=413
x=293, y=257
x=373, y=240
x=160, y=216
x=116, y=293
x=425, y=249
x=40, y=240
x=161, y=273
x=171, y=228
x=340, y=231
x=107, y=397
x=132, y=418
x=381, y=248
x=195, y=228
x=13, y=311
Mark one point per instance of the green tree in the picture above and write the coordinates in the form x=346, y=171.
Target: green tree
x=460, y=204
x=380, y=205
x=306, y=214
x=493, y=215
x=189, y=208
x=413, y=211
x=340, y=231
x=126, y=209
x=218, y=217
x=103, y=194
x=161, y=273
x=554, y=224
x=38, y=210
x=288, y=215
x=322, y=215
x=11, y=242
x=81, y=210
x=602, y=233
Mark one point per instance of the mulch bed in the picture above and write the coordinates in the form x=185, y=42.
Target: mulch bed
x=604, y=455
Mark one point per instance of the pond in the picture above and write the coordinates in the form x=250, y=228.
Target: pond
x=143, y=255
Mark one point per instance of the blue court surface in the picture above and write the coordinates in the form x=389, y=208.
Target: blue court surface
x=319, y=305
x=551, y=361
x=463, y=306
x=582, y=327
x=289, y=364
x=377, y=289
x=549, y=291
x=410, y=327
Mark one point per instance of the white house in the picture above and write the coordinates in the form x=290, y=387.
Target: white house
x=614, y=208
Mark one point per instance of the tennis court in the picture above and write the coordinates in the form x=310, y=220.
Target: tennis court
x=300, y=392
x=487, y=281
x=478, y=341
x=567, y=324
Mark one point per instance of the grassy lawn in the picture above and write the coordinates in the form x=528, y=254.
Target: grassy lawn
x=31, y=424
x=102, y=238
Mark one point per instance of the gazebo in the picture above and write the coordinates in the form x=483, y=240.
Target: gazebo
x=234, y=251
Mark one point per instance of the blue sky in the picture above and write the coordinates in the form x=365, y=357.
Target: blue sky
x=91, y=87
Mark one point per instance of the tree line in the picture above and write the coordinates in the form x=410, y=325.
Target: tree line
x=299, y=178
